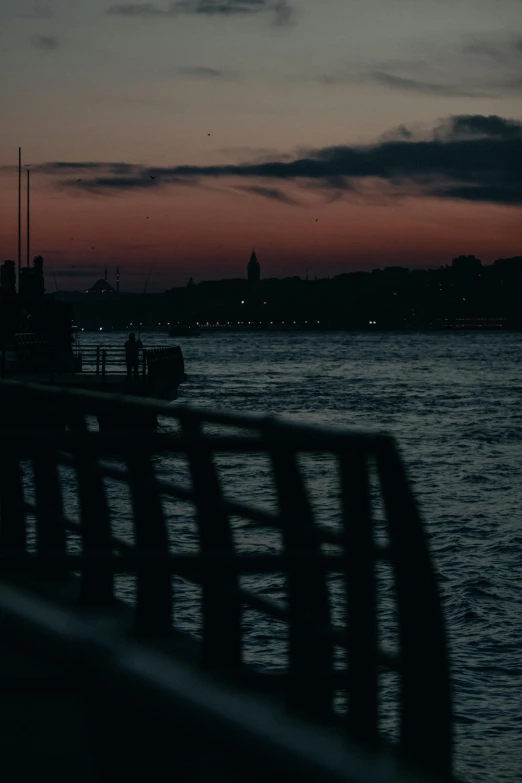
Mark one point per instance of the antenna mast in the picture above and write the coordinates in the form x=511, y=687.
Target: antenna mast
x=28, y=226
x=19, y=214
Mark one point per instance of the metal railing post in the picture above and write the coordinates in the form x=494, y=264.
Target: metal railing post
x=103, y=363
x=97, y=360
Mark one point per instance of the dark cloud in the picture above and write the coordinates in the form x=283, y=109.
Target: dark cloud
x=472, y=126
x=400, y=133
x=476, y=69
x=469, y=157
x=427, y=87
x=114, y=177
x=64, y=167
x=139, y=10
x=46, y=42
x=503, y=51
x=202, y=72
x=280, y=9
x=275, y=194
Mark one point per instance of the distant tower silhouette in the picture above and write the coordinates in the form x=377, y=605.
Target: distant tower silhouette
x=117, y=279
x=253, y=269
x=106, y=277
x=191, y=283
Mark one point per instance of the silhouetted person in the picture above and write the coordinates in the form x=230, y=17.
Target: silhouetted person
x=132, y=355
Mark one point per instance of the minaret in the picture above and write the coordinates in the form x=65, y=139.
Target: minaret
x=253, y=269
x=117, y=279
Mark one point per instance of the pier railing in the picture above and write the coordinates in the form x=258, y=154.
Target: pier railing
x=155, y=364
x=105, y=359
x=158, y=365
x=336, y=649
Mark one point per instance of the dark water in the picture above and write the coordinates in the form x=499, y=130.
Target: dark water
x=453, y=403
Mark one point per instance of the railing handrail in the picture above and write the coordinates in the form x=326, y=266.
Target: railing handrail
x=421, y=661
x=99, y=401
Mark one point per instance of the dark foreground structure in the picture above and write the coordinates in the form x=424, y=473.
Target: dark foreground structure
x=94, y=689
x=38, y=345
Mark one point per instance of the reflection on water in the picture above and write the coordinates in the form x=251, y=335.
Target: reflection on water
x=453, y=403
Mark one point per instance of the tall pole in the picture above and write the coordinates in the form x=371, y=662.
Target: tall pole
x=19, y=214
x=28, y=235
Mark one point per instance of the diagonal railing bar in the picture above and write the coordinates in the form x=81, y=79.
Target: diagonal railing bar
x=154, y=586
x=90, y=402
x=171, y=489
x=309, y=607
x=360, y=596
x=222, y=640
x=106, y=444
x=389, y=660
x=421, y=625
x=190, y=566
x=259, y=516
x=276, y=609
x=50, y=532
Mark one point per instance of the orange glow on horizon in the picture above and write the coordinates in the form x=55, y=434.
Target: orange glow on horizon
x=209, y=233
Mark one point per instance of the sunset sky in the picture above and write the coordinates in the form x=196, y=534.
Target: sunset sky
x=331, y=135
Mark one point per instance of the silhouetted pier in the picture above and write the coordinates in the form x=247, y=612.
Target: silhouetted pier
x=112, y=690
x=94, y=368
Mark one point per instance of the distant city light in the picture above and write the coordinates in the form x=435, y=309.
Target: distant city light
x=242, y=301
x=101, y=328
